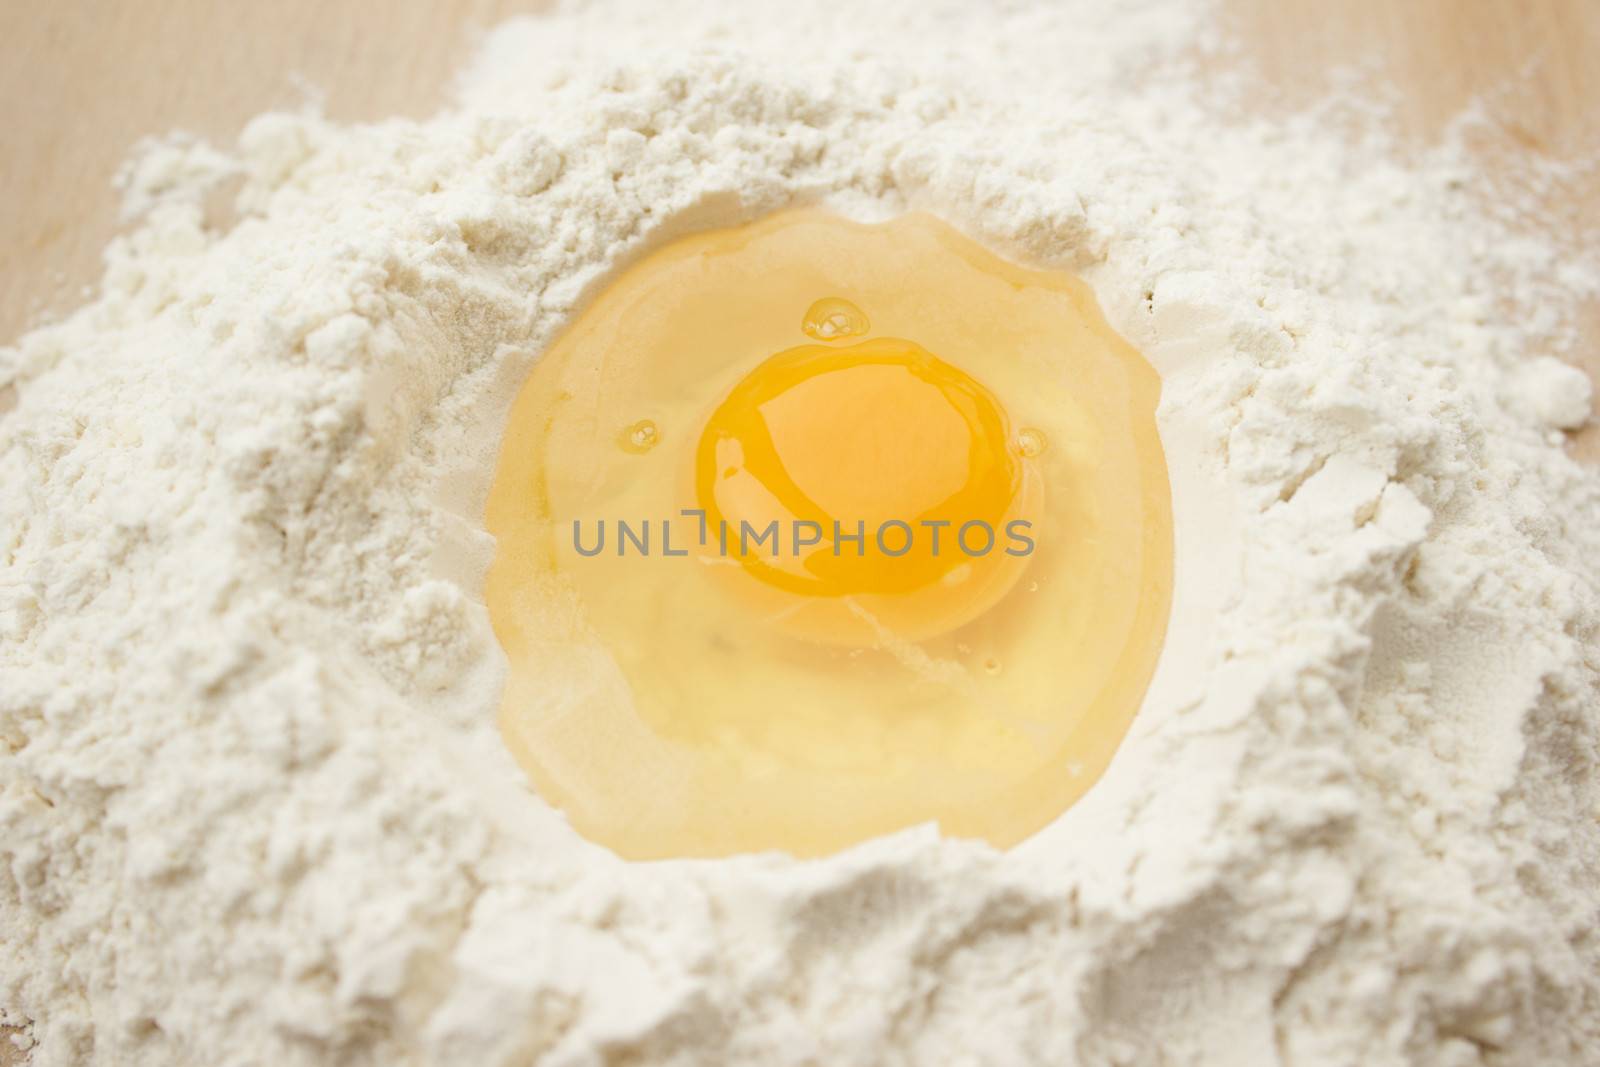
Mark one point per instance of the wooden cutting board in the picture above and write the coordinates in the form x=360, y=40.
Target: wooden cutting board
x=81, y=81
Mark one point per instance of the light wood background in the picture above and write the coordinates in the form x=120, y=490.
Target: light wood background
x=81, y=81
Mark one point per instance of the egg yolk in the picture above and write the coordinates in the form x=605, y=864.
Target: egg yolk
x=876, y=469
x=809, y=531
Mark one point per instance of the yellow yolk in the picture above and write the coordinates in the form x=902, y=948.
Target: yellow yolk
x=810, y=531
x=887, y=458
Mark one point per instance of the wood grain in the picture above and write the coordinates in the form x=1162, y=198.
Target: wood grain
x=81, y=82
x=1531, y=68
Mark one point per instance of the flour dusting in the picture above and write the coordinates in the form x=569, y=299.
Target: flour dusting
x=253, y=806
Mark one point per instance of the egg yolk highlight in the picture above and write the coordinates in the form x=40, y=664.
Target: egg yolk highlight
x=809, y=531
x=878, y=461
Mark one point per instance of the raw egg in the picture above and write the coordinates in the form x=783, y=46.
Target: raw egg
x=812, y=530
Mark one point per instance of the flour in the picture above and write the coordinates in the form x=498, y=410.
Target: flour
x=253, y=808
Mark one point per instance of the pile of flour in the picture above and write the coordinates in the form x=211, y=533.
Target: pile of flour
x=253, y=807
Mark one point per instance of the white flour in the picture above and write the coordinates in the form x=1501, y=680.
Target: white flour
x=253, y=808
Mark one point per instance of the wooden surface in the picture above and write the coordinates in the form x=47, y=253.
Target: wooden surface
x=81, y=81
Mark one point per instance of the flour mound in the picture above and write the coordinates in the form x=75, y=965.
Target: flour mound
x=252, y=804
